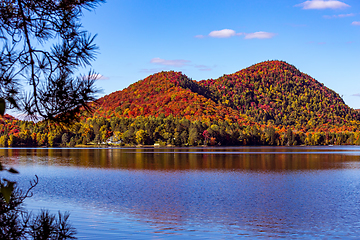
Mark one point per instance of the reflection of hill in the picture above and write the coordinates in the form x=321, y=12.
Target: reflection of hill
x=212, y=194
x=257, y=159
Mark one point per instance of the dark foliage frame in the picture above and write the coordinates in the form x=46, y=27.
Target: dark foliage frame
x=27, y=27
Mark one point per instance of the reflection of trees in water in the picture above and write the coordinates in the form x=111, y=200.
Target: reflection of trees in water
x=179, y=159
x=219, y=195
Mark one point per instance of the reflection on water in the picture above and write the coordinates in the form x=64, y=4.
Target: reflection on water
x=198, y=193
x=255, y=158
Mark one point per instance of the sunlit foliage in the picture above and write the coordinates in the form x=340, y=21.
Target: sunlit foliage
x=270, y=103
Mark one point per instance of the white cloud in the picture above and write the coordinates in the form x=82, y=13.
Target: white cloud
x=102, y=77
x=98, y=76
x=322, y=4
x=339, y=15
x=259, y=35
x=173, y=63
x=225, y=33
x=151, y=70
x=204, y=67
x=355, y=23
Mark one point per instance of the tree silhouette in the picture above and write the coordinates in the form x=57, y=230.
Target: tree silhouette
x=43, y=47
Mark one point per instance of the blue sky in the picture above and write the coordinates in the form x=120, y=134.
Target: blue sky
x=206, y=39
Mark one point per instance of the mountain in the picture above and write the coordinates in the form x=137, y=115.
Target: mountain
x=269, y=103
x=277, y=92
x=268, y=93
x=166, y=93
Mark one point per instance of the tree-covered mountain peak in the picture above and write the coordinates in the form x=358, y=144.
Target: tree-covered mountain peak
x=269, y=93
x=269, y=103
x=273, y=65
x=168, y=93
x=278, y=93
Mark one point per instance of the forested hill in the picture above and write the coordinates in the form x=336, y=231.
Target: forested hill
x=277, y=92
x=270, y=103
x=268, y=93
x=166, y=93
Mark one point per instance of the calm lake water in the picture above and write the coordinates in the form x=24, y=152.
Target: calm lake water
x=197, y=193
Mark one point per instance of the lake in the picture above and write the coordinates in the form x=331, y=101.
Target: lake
x=197, y=193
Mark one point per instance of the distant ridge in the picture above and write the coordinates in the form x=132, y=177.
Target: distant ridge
x=268, y=93
x=166, y=93
x=278, y=92
x=269, y=103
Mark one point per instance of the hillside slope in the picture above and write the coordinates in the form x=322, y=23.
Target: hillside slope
x=270, y=103
x=166, y=93
x=277, y=92
x=268, y=93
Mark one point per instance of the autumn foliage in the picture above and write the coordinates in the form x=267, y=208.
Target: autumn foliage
x=269, y=103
